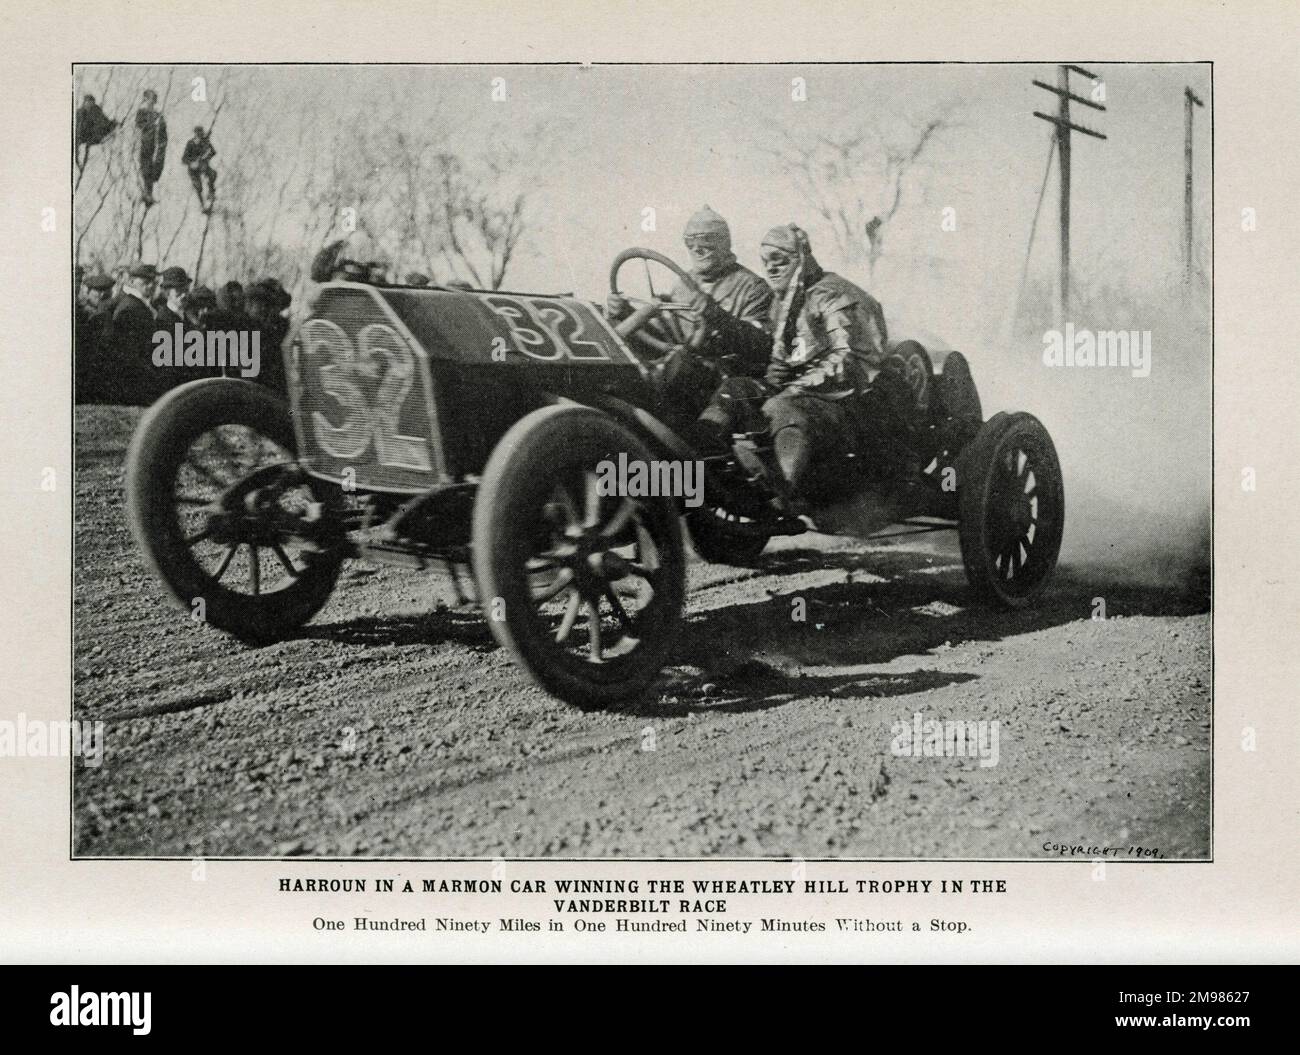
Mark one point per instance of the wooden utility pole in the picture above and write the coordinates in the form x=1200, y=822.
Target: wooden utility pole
x=1064, y=126
x=1189, y=99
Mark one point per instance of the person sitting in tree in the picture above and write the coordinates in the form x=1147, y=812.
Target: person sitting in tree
x=151, y=125
x=93, y=126
x=198, y=154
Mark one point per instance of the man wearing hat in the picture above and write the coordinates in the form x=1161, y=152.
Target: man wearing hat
x=129, y=337
x=732, y=303
x=230, y=301
x=731, y=300
x=152, y=129
x=199, y=308
x=199, y=312
x=95, y=290
x=175, y=284
x=133, y=317
x=266, y=301
x=93, y=313
x=831, y=396
x=196, y=157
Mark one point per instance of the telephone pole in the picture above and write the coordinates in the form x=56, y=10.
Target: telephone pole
x=1189, y=99
x=1064, y=126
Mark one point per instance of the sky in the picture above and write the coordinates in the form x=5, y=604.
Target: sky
x=620, y=139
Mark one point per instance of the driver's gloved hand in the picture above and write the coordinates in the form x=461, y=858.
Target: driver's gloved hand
x=709, y=310
x=779, y=373
x=617, y=307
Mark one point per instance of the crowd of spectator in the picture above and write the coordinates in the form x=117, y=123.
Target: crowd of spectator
x=117, y=316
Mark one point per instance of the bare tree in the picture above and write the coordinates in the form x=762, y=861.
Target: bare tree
x=856, y=178
x=482, y=216
x=104, y=193
x=423, y=204
x=425, y=192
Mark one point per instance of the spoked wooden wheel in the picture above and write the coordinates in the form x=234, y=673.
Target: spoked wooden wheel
x=1012, y=509
x=223, y=514
x=584, y=589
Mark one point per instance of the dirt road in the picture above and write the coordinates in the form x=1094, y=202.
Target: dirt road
x=392, y=725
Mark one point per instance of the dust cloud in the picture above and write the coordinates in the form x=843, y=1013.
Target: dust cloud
x=1135, y=451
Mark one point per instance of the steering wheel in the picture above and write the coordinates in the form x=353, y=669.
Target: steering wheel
x=634, y=326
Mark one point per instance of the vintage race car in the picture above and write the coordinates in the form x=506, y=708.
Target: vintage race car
x=468, y=429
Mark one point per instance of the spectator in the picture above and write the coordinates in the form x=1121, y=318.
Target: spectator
x=133, y=316
x=151, y=125
x=197, y=157
x=93, y=126
x=230, y=299
x=94, y=311
x=200, y=306
x=265, y=300
x=279, y=296
x=175, y=284
x=130, y=338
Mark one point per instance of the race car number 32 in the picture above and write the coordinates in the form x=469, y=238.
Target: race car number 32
x=549, y=330
x=342, y=369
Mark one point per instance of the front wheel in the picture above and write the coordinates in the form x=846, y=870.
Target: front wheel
x=584, y=588
x=1011, y=504
x=223, y=514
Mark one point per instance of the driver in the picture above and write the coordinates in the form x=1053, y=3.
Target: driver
x=733, y=302
x=831, y=395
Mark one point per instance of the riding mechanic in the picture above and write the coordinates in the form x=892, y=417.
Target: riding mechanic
x=830, y=393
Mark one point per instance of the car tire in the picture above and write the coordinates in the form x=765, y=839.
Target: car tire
x=532, y=507
x=163, y=445
x=1011, y=509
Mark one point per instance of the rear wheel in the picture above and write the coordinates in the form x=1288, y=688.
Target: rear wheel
x=954, y=393
x=584, y=589
x=223, y=514
x=1011, y=509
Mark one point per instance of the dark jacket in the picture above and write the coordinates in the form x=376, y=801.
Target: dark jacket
x=839, y=336
x=166, y=319
x=93, y=125
x=129, y=353
x=92, y=375
x=197, y=153
x=153, y=141
x=132, y=327
x=737, y=317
